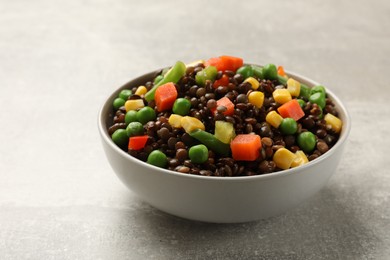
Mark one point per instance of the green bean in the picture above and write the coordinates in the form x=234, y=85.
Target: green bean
x=173, y=75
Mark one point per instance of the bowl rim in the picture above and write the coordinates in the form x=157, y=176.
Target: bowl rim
x=150, y=168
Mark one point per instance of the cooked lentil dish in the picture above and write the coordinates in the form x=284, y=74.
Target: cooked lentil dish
x=222, y=117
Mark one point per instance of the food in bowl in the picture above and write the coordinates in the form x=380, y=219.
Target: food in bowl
x=222, y=117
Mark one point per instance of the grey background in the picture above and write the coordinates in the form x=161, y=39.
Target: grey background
x=59, y=60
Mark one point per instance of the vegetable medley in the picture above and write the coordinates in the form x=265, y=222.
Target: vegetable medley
x=222, y=117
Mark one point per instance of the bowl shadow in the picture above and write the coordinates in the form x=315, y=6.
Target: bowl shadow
x=321, y=228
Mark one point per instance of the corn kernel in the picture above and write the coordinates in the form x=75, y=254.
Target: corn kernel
x=134, y=104
x=300, y=159
x=256, y=98
x=190, y=124
x=274, y=119
x=175, y=120
x=194, y=63
x=141, y=90
x=283, y=158
x=254, y=83
x=334, y=122
x=294, y=87
x=281, y=95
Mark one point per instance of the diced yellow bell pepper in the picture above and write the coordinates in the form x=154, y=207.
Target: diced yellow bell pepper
x=141, y=90
x=256, y=98
x=281, y=96
x=283, y=158
x=335, y=123
x=300, y=159
x=134, y=104
x=294, y=87
x=254, y=83
x=224, y=131
x=274, y=119
x=190, y=124
x=175, y=120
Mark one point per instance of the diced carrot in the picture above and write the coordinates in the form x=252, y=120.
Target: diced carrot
x=213, y=62
x=232, y=63
x=225, y=62
x=137, y=142
x=281, y=71
x=165, y=96
x=224, y=81
x=291, y=109
x=226, y=103
x=246, y=147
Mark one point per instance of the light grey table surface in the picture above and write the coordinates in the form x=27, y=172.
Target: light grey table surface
x=59, y=60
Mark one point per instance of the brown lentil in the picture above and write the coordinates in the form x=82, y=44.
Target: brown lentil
x=182, y=169
x=242, y=98
x=322, y=146
x=115, y=127
x=172, y=142
x=221, y=109
x=181, y=154
x=180, y=145
x=266, y=141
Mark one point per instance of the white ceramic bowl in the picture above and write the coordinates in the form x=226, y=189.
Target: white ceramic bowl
x=222, y=199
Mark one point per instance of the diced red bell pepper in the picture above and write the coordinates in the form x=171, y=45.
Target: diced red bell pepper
x=137, y=142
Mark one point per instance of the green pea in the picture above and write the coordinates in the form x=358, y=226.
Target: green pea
x=158, y=78
x=157, y=158
x=304, y=92
x=301, y=103
x=246, y=71
x=198, y=153
x=146, y=114
x=134, y=128
x=118, y=102
x=270, y=71
x=318, y=98
x=258, y=71
x=125, y=94
x=288, y=126
x=181, y=106
x=306, y=141
x=131, y=116
x=120, y=137
x=318, y=89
